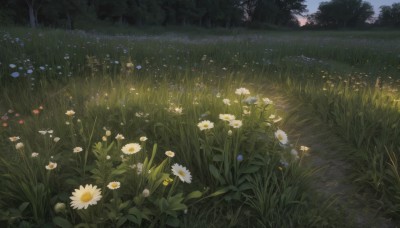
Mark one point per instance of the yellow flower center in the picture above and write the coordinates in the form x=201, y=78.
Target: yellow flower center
x=131, y=149
x=280, y=137
x=205, y=125
x=86, y=197
x=181, y=173
x=114, y=185
x=51, y=166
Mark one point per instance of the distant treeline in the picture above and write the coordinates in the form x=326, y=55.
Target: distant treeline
x=205, y=13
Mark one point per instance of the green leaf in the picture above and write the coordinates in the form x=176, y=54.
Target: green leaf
x=218, y=158
x=62, y=222
x=219, y=192
x=23, y=206
x=174, y=222
x=214, y=171
x=121, y=221
x=250, y=169
x=194, y=195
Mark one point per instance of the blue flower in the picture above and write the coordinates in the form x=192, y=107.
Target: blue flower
x=239, y=157
x=15, y=74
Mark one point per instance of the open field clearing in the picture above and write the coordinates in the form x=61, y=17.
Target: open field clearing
x=228, y=129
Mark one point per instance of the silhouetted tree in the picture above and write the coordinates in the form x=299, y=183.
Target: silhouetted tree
x=389, y=15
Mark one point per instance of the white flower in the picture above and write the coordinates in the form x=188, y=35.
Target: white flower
x=170, y=153
x=108, y=133
x=70, y=113
x=129, y=65
x=205, y=125
x=51, y=165
x=19, y=146
x=56, y=139
x=235, y=123
x=59, y=207
x=304, y=148
x=267, y=101
x=119, y=137
x=226, y=117
x=226, y=101
x=242, y=91
x=108, y=157
x=34, y=154
x=104, y=138
x=143, y=139
x=281, y=136
x=14, y=138
x=114, y=185
x=131, y=148
x=230, y=132
x=146, y=193
x=12, y=66
x=77, y=149
x=138, y=167
x=182, y=173
x=85, y=196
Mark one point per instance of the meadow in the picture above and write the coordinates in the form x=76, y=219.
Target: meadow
x=187, y=129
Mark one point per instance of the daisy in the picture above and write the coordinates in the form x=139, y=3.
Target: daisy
x=226, y=117
x=281, y=136
x=131, y=148
x=170, y=153
x=77, y=149
x=235, y=123
x=226, y=101
x=85, y=196
x=182, y=173
x=108, y=133
x=34, y=154
x=56, y=139
x=205, y=125
x=51, y=165
x=19, y=146
x=119, y=137
x=242, y=91
x=70, y=113
x=114, y=185
x=143, y=139
x=146, y=193
x=14, y=138
x=267, y=101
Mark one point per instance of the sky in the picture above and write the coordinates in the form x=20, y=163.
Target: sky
x=312, y=5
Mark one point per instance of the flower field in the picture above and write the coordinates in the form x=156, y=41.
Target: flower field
x=183, y=130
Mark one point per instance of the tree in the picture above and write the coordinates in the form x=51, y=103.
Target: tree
x=389, y=15
x=343, y=13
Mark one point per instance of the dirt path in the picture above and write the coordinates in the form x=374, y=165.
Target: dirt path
x=331, y=179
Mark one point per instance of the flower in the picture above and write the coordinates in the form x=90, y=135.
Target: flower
x=56, y=139
x=226, y=101
x=85, y=196
x=14, y=138
x=138, y=167
x=267, y=101
x=35, y=111
x=167, y=181
x=146, y=193
x=143, y=139
x=281, y=136
x=59, y=207
x=70, y=113
x=108, y=157
x=251, y=100
x=77, y=149
x=114, y=185
x=108, y=133
x=131, y=148
x=34, y=154
x=170, y=153
x=226, y=117
x=119, y=137
x=19, y=146
x=51, y=165
x=15, y=74
x=205, y=125
x=239, y=157
x=304, y=148
x=182, y=173
x=104, y=138
x=242, y=91
x=235, y=123
x=230, y=132
x=129, y=65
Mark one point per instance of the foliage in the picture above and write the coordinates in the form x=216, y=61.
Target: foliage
x=390, y=15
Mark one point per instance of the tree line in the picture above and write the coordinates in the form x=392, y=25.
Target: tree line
x=206, y=13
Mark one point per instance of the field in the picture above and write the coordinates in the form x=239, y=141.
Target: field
x=204, y=128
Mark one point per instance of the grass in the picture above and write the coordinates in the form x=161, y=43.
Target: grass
x=162, y=87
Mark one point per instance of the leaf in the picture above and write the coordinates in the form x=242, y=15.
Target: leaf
x=194, y=195
x=214, y=171
x=121, y=221
x=250, y=169
x=62, y=222
x=218, y=158
x=23, y=206
x=174, y=222
x=219, y=192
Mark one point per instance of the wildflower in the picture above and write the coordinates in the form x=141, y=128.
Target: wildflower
x=56, y=139
x=242, y=91
x=143, y=139
x=67, y=123
x=230, y=132
x=35, y=111
x=205, y=125
x=77, y=149
x=131, y=148
x=138, y=67
x=51, y=165
x=239, y=158
x=108, y=133
x=304, y=148
x=226, y=101
x=108, y=157
x=114, y=185
x=267, y=101
x=170, y=153
x=19, y=146
x=251, y=100
x=34, y=154
x=21, y=121
x=119, y=137
x=14, y=138
x=226, y=117
x=129, y=65
x=4, y=124
x=182, y=173
x=235, y=123
x=70, y=113
x=85, y=196
x=146, y=193
x=15, y=74
x=167, y=181
x=12, y=66
x=104, y=138
x=281, y=136
x=246, y=112
x=59, y=207
x=138, y=167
